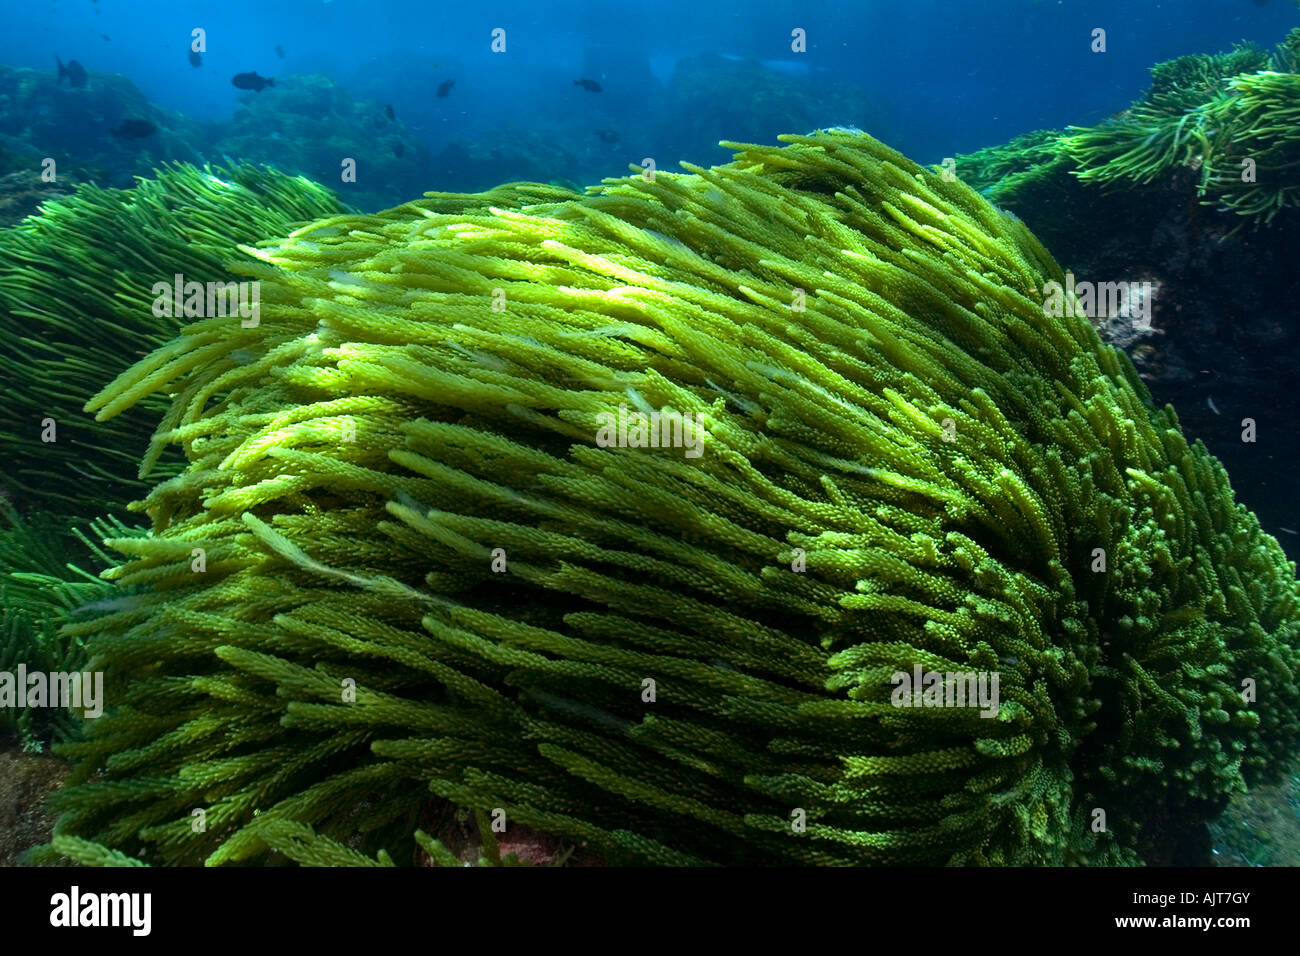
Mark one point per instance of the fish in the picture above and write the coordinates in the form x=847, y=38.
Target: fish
x=608, y=135
x=445, y=87
x=74, y=71
x=104, y=36
x=591, y=86
x=279, y=51
x=134, y=129
x=196, y=58
x=251, y=81
x=388, y=111
x=398, y=150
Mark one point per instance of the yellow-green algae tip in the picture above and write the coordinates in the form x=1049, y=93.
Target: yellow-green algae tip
x=426, y=581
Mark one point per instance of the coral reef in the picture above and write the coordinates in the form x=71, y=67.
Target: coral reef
x=400, y=567
x=307, y=125
x=708, y=92
x=40, y=118
x=96, y=256
x=504, y=156
x=304, y=125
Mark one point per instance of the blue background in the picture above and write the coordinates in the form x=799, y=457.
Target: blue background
x=943, y=76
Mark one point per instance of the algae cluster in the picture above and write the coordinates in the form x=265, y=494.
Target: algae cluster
x=76, y=307
x=398, y=567
x=1231, y=121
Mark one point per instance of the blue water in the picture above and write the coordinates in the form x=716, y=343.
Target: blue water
x=933, y=77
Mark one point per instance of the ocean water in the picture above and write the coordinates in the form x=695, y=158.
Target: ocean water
x=379, y=102
x=930, y=78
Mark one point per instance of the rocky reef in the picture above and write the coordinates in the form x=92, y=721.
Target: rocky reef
x=1163, y=193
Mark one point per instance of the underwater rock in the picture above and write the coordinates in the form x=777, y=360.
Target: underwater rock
x=306, y=125
x=505, y=156
x=75, y=126
x=26, y=779
x=22, y=192
x=709, y=92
